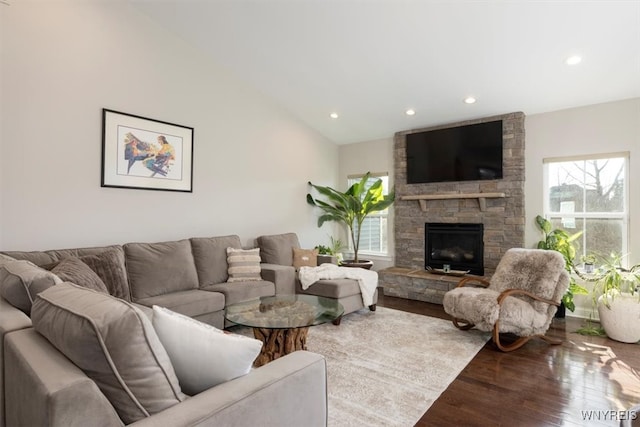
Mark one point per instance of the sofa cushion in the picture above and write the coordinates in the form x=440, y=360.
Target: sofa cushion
x=278, y=248
x=36, y=257
x=243, y=291
x=191, y=303
x=335, y=288
x=21, y=281
x=109, y=266
x=305, y=257
x=5, y=259
x=210, y=255
x=47, y=257
x=244, y=264
x=203, y=356
x=75, y=271
x=160, y=268
x=114, y=344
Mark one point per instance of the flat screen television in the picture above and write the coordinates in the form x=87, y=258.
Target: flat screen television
x=463, y=153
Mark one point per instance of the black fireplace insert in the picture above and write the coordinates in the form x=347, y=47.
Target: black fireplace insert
x=460, y=246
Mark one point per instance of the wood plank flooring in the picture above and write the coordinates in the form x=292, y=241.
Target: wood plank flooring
x=586, y=381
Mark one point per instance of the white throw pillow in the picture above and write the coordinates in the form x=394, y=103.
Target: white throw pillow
x=202, y=355
x=243, y=265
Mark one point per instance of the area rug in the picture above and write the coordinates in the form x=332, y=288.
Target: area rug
x=386, y=368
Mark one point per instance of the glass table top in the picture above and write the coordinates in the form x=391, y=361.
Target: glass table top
x=284, y=311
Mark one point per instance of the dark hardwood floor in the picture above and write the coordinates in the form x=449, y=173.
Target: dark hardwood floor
x=586, y=381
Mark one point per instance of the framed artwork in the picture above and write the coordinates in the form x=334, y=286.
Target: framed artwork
x=147, y=154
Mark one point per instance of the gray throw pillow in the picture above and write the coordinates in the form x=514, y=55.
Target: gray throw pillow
x=109, y=266
x=114, y=344
x=21, y=281
x=75, y=271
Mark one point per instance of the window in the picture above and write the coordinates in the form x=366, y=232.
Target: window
x=374, y=235
x=590, y=194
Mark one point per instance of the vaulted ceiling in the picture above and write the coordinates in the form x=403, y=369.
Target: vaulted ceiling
x=369, y=61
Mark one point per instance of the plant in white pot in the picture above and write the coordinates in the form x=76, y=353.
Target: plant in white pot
x=331, y=253
x=618, y=300
x=351, y=208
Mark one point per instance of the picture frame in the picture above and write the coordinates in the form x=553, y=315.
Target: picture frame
x=145, y=154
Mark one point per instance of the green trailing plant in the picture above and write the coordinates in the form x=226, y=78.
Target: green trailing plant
x=591, y=328
x=351, y=207
x=612, y=279
x=561, y=241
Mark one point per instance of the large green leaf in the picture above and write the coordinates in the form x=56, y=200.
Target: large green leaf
x=543, y=223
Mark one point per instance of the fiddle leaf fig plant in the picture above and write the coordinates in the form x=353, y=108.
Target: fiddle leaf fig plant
x=560, y=241
x=351, y=207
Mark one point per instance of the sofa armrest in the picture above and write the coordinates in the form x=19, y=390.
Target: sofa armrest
x=11, y=319
x=47, y=389
x=283, y=276
x=291, y=390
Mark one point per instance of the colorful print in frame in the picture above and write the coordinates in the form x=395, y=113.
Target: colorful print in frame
x=147, y=154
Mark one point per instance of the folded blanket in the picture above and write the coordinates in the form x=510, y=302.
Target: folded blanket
x=367, y=279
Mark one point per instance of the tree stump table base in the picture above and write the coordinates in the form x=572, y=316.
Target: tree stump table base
x=279, y=342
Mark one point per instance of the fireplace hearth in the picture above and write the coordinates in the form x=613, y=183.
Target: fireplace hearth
x=456, y=245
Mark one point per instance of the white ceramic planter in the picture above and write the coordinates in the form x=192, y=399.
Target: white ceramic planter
x=621, y=320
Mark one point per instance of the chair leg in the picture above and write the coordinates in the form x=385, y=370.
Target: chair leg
x=520, y=341
x=550, y=340
x=372, y=307
x=513, y=346
x=462, y=324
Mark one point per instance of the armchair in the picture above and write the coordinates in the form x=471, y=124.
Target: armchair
x=521, y=298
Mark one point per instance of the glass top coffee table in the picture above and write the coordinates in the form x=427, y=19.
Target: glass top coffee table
x=282, y=322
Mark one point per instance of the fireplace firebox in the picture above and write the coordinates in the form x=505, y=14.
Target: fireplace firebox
x=460, y=246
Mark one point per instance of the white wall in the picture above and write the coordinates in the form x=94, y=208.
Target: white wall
x=370, y=156
x=63, y=61
x=595, y=129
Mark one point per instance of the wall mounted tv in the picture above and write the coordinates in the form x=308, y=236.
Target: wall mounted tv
x=463, y=153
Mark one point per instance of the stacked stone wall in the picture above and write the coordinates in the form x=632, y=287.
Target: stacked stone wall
x=503, y=218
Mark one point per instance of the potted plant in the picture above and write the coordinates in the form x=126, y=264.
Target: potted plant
x=333, y=252
x=618, y=300
x=560, y=241
x=351, y=208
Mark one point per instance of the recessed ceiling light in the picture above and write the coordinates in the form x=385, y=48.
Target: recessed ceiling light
x=573, y=60
x=469, y=100
x=333, y=115
x=410, y=112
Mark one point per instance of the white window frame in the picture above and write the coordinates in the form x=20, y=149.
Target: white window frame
x=351, y=179
x=623, y=215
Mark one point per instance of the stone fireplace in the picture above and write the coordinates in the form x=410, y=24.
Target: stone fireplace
x=498, y=205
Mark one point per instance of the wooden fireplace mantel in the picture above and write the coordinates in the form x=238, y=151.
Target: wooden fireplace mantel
x=482, y=198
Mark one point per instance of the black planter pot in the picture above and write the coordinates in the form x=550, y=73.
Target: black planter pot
x=363, y=263
x=562, y=311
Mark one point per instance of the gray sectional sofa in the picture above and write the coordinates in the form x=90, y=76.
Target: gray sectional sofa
x=40, y=386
